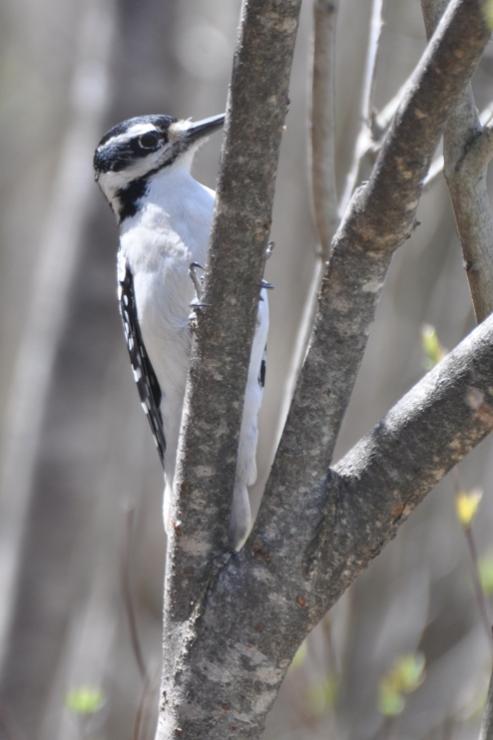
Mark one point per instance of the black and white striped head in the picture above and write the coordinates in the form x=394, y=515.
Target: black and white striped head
x=131, y=152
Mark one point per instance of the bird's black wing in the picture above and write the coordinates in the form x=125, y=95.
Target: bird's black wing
x=144, y=375
x=263, y=369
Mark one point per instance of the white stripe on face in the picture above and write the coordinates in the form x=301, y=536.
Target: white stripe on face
x=136, y=130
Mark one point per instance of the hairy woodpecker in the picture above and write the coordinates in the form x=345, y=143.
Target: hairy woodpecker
x=142, y=165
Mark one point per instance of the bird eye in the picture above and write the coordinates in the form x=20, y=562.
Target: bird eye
x=150, y=140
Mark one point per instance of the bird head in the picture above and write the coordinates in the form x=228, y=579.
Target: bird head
x=133, y=151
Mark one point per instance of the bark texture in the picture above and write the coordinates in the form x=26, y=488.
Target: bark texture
x=233, y=622
x=323, y=167
x=239, y=654
x=256, y=110
x=381, y=216
x=467, y=153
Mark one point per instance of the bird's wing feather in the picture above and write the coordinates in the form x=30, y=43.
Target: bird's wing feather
x=144, y=375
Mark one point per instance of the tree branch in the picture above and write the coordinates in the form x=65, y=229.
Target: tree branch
x=376, y=27
x=241, y=655
x=257, y=107
x=380, y=217
x=467, y=151
x=484, y=141
x=324, y=191
x=224, y=662
x=256, y=110
x=386, y=475
x=486, y=732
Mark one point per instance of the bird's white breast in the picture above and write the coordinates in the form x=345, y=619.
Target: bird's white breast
x=170, y=231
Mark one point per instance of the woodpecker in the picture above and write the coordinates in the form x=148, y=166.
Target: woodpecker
x=164, y=215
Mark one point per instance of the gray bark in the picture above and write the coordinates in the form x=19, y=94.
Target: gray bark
x=233, y=622
x=467, y=152
x=322, y=123
x=207, y=457
x=237, y=655
x=256, y=110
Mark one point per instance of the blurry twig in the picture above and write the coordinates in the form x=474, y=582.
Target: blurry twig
x=322, y=128
x=480, y=599
x=467, y=503
x=376, y=26
x=138, y=731
x=329, y=641
x=61, y=241
x=128, y=600
x=373, y=125
x=324, y=190
x=9, y=730
x=486, y=732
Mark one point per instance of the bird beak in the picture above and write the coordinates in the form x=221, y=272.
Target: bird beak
x=206, y=126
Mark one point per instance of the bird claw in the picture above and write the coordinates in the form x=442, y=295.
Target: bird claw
x=196, y=307
x=198, y=282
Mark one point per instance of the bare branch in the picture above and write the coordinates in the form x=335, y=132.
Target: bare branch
x=467, y=148
x=224, y=662
x=61, y=241
x=386, y=475
x=256, y=111
x=484, y=141
x=324, y=190
x=245, y=653
x=376, y=27
x=435, y=171
x=380, y=218
x=373, y=125
x=486, y=732
x=128, y=601
x=207, y=457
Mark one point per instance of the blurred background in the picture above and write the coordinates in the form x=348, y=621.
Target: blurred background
x=405, y=653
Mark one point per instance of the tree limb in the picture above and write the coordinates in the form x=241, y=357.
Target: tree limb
x=257, y=107
x=484, y=141
x=224, y=662
x=467, y=151
x=256, y=110
x=386, y=475
x=376, y=27
x=240, y=655
x=380, y=217
x=324, y=191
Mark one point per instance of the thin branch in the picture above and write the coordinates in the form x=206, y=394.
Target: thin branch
x=128, y=599
x=434, y=173
x=324, y=191
x=60, y=244
x=323, y=162
x=380, y=218
x=467, y=151
x=375, y=487
x=361, y=504
x=376, y=27
x=483, y=141
x=367, y=146
x=476, y=583
x=486, y=732
x=138, y=728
